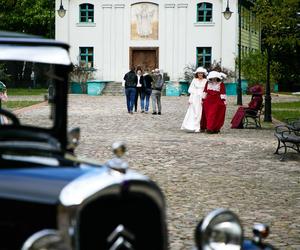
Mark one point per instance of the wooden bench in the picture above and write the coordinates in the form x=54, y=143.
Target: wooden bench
x=288, y=136
x=252, y=118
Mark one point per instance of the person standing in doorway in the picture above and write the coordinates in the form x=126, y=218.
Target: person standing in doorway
x=139, y=89
x=193, y=115
x=148, y=80
x=130, y=79
x=157, y=87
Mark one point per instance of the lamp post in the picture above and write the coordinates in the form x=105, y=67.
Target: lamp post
x=61, y=11
x=268, y=109
x=227, y=14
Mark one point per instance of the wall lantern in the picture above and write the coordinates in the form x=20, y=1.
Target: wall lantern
x=61, y=11
x=227, y=13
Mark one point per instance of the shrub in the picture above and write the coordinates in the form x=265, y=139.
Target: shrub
x=191, y=68
x=254, y=69
x=81, y=74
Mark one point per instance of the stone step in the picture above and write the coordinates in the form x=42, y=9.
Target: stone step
x=114, y=89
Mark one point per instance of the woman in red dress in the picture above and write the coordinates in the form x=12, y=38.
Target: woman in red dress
x=214, y=103
x=254, y=105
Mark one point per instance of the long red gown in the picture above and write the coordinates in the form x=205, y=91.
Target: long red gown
x=214, y=107
x=254, y=104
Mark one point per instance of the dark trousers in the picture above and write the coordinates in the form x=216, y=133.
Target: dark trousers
x=146, y=94
x=130, y=97
x=137, y=95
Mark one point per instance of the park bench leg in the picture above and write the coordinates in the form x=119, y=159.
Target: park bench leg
x=278, y=147
x=284, y=154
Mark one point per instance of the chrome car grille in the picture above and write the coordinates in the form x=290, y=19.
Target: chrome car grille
x=131, y=221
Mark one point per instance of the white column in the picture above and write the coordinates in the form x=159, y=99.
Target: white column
x=107, y=43
x=168, y=51
x=229, y=36
x=119, y=38
x=182, y=35
x=62, y=28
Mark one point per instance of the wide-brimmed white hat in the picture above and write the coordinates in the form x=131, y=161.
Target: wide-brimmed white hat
x=201, y=70
x=223, y=75
x=214, y=74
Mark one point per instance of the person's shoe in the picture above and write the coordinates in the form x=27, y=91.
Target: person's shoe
x=197, y=131
x=154, y=113
x=202, y=130
x=142, y=111
x=131, y=112
x=159, y=113
x=146, y=112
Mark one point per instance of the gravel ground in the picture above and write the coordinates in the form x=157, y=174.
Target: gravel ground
x=235, y=169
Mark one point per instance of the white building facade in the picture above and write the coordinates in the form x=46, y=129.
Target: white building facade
x=112, y=36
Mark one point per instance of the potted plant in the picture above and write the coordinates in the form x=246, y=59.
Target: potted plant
x=79, y=77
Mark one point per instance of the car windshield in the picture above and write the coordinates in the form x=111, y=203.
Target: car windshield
x=27, y=90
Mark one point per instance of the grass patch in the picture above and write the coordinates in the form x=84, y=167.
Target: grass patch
x=18, y=104
x=26, y=91
x=284, y=114
x=286, y=105
x=284, y=110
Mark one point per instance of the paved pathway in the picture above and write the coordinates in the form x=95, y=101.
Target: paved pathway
x=198, y=172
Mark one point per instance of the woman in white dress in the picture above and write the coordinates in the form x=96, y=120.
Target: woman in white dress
x=193, y=115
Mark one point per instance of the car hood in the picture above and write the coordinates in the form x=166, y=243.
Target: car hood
x=42, y=185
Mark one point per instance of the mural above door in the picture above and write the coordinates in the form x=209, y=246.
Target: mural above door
x=144, y=21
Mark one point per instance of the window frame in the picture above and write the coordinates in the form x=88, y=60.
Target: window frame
x=205, y=10
x=86, y=56
x=205, y=63
x=89, y=12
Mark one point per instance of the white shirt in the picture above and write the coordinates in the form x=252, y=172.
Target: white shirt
x=139, y=82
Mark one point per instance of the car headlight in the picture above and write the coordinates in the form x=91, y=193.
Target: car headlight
x=219, y=230
x=45, y=240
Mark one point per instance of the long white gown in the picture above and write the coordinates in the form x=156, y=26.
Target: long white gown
x=192, y=118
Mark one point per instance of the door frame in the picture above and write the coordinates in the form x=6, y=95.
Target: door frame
x=131, y=49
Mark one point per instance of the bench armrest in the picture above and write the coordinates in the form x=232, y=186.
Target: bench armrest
x=285, y=131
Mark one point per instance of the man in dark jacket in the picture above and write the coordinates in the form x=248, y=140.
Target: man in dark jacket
x=130, y=79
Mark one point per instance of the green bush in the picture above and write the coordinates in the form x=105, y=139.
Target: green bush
x=254, y=69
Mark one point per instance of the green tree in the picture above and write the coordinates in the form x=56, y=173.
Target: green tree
x=28, y=16
x=254, y=67
x=281, y=36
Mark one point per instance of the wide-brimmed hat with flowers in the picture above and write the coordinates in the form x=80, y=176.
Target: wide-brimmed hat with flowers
x=214, y=74
x=256, y=90
x=201, y=70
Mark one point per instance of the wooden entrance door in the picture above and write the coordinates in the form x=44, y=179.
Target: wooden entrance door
x=147, y=58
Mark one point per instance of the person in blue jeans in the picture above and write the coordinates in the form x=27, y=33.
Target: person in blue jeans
x=130, y=79
x=147, y=90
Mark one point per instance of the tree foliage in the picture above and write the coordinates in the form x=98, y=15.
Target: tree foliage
x=29, y=16
x=254, y=67
x=280, y=23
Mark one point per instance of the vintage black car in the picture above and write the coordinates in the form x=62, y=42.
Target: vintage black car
x=49, y=199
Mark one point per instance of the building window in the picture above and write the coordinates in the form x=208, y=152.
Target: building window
x=204, y=12
x=204, y=57
x=86, y=13
x=86, y=56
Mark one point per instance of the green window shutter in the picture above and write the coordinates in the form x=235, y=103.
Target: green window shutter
x=87, y=56
x=203, y=57
x=86, y=13
x=204, y=12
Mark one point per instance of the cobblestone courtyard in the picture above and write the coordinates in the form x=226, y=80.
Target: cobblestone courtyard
x=198, y=172
x=235, y=169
